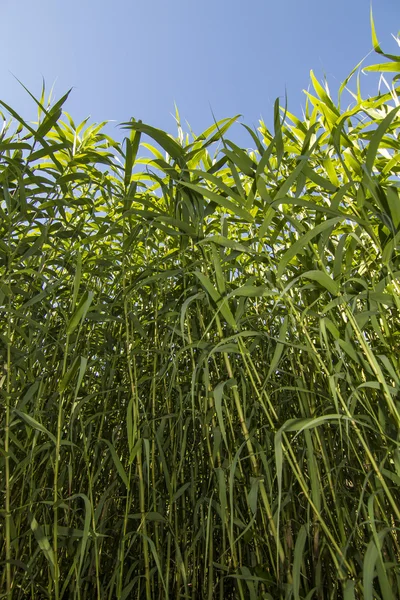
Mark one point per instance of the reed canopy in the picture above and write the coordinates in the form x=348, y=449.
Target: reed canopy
x=200, y=355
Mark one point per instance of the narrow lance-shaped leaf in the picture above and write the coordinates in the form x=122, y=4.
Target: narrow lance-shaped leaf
x=80, y=312
x=303, y=241
x=165, y=141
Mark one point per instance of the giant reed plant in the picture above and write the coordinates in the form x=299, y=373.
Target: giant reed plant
x=200, y=356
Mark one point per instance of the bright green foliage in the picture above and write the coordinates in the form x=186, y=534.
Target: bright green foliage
x=200, y=357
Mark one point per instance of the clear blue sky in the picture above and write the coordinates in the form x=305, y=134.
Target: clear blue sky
x=135, y=58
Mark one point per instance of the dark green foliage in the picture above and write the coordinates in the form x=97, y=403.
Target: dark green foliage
x=200, y=358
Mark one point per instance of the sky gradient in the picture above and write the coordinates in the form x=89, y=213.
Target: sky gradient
x=136, y=58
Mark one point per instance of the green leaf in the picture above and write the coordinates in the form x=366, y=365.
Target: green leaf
x=86, y=527
x=117, y=463
x=348, y=590
x=279, y=348
x=80, y=312
x=252, y=496
x=208, y=286
x=298, y=560
x=6, y=146
x=251, y=291
x=304, y=240
x=324, y=280
x=218, y=395
x=390, y=67
x=221, y=302
x=43, y=543
x=33, y=423
x=162, y=138
x=180, y=492
x=377, y=138
x=369, y=567
x=319, y=180
x=221, y=201
x=278, y=133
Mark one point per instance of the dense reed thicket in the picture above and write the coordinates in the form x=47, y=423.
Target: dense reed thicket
x=200, y=356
